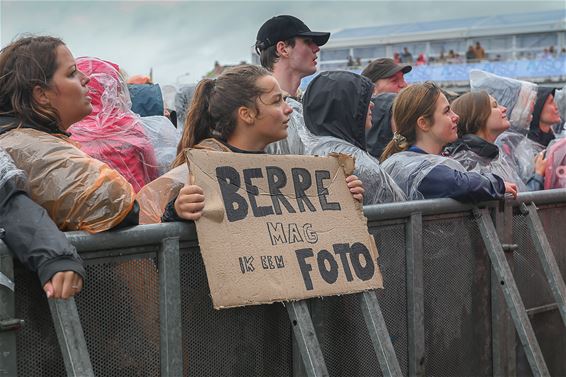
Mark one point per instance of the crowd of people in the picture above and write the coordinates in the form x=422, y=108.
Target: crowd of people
x=81, y=149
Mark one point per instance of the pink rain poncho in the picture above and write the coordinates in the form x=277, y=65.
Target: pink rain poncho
x=112, y=133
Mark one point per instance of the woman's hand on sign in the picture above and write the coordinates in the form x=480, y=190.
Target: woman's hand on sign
x=63, y=285
x=190, y=202
x=356, y=187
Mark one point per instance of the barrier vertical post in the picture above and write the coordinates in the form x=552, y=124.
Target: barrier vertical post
x=8, y=365
x=71, y=337
x=503, y=333
x=511, y=293
x=415, y=294
x=379, y=334
x=307, y=341
x=546, y=257
x=171, y=355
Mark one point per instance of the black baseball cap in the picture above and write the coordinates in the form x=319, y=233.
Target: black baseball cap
x=384, y=68
x=281, y=28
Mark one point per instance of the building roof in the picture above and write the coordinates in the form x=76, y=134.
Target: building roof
x=464, y=27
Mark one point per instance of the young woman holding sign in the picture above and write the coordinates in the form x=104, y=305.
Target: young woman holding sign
x=242, y=111
x=425, y=124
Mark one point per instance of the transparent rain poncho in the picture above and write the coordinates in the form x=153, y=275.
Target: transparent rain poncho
x=164, y=137
x=555, y=175
x=293, y=143
x=500, y=166
x=408, y=169
x=9, y=171
x=379, y=186
x=112, y=133
x=335, y=113
x=154, y=196
x=183, y=100
x=560, y=99
x=78, y=192
x=519, y=98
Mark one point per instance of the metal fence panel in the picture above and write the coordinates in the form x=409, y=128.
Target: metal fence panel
x=119, y=306
x=457, y=298
x=534, y=289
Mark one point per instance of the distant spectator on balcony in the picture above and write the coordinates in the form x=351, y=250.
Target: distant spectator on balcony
x=480, y=52
x=563, y=51
x=552, y=51
x=396, y=58
x=350, y=61
x=387, y=76
x=288, y=48
x=358, y=62
x=406, y=56
x=471, y=54
x=421, y=59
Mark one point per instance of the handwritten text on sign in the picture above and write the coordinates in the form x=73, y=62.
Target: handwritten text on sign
x=279, y=228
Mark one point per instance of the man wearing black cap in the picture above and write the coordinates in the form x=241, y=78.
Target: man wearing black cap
x=288, y=48
x=387, y=75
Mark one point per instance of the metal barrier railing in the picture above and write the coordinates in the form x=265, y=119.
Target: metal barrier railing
x=442, y=303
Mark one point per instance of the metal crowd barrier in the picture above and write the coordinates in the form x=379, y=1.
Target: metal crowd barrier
x=450, y=303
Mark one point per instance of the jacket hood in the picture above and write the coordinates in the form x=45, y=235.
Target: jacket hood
x=147, y=99
x=380, y=132
x=535, y=133
x=336, y=104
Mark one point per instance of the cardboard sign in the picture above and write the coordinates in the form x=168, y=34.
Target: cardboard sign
x=279, y=228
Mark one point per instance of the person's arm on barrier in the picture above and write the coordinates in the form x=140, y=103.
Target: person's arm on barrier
x=445, y=182
x=38, y=244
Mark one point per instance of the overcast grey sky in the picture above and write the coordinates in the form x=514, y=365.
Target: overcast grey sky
x=182, y=37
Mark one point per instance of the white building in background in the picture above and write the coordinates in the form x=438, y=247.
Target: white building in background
x=503, y=37
x=530, y=46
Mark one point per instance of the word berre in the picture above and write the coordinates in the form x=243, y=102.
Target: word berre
x=237, y=206
x=328, y=266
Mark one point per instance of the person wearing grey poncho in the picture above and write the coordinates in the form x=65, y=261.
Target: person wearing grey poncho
x=518, y=97
x=337, y=112
x=482, y=120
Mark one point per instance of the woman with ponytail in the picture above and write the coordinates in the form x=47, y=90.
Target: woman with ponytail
x=425, y=124
x=241, y=111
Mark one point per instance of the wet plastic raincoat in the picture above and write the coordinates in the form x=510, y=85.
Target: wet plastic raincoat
x=112, y=133
x=29, y=232
x=426, y=176
x=78, y=192
x=519, y=98
x=183, y=100
x=479, y=155
x=555, y=176
x=155, y=196
x=335, y=111
x=293, y=144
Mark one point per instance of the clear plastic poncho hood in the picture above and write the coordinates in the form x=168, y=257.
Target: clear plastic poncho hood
x=112, y=133
x=517, y=96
